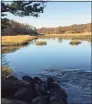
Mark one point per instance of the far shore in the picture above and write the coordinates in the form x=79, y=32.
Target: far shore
x=71, y=35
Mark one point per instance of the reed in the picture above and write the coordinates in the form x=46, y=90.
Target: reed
x=70, y=35
x=75, y=42
x=41, y=43
x=17, y=40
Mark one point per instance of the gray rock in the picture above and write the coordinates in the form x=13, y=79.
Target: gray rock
x=11, y=78
x=40, y=100
x=57, y=96
x=38, y=80
x=50, y=80
x=53, y=85
x=10, y=84
x=29, y=79
x=8, y=101
x=24, y=94
x=9, y=87
x=39, y=89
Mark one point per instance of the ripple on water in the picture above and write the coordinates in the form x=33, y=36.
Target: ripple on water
x=76, y=83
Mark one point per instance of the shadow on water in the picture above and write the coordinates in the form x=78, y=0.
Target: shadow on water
x=60, y=40
x=9, y=49
x=75, y=42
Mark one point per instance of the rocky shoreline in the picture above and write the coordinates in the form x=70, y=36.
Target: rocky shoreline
x=32, y=91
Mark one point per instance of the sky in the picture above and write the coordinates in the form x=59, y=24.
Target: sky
x=59, y=14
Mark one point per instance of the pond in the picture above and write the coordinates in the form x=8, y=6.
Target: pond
x=69, y=64
x=56, y=54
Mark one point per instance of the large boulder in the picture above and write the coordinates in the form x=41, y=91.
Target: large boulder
x=8, y=101
x=9, y=87
x=33, y=91
x=40, y=91
x=40, y=100
x=49, y=80
x=24, y=94
x=57, y=96
x=11, y=78
x=37, y=80
x=29, y=79
x=45, y=86
x=53, y=85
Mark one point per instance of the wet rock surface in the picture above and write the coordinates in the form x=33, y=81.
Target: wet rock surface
x=40, y=100
x=9, y=101
x=77, y=84
x=32, y=91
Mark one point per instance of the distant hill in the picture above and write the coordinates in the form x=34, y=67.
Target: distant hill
x=81, y=28
x=16, y=28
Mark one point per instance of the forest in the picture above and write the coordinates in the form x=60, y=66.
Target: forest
x=16, y=28
x=80, y=28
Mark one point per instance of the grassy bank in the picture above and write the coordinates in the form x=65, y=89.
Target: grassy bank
x=24, y=39
x=16, y=40
x=70, y=35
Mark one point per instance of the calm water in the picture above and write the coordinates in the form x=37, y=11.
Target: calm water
x=57, y=54
x=69, y=65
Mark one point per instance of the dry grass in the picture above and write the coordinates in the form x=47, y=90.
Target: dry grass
x=24, y=39
x=5, y=72
x=71, y=35
x=16, y=40
x=75, y=42
x=41, y=43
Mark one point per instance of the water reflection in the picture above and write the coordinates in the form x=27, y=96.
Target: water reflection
x=5, y=69
x=53, y=55
x=60, y=40
x=75, y=42
x=8, y=49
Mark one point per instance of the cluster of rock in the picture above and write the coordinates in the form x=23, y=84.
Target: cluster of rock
x=31, y=91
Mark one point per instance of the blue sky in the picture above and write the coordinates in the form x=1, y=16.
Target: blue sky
x=59, y=14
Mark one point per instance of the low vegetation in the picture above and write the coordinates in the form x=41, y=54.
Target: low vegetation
x=71, y=35
x=17, y=40
x=75, y=42
x=41, y=43
x=5, y=69
x=5, y=72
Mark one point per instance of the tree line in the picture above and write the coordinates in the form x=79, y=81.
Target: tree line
x=19, y=8
x=16, y=28
x=81, y=28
